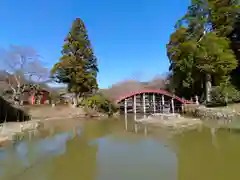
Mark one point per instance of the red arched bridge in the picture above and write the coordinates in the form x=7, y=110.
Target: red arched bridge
x=151, y=101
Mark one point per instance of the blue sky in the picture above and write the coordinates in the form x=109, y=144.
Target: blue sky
x=128, y=36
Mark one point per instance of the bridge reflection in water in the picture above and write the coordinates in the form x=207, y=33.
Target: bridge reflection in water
x=206, y=153
x=104, y=150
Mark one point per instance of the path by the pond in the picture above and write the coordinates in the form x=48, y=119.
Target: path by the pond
x=106, y=150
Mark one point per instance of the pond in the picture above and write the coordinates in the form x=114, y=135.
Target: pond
x=113, y=150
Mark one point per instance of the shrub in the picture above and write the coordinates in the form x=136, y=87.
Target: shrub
x=225, y=93
x=100, y=103
x=55, y=98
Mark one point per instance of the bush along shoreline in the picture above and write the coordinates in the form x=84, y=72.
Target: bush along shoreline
x=205, y=113
x=99, y=105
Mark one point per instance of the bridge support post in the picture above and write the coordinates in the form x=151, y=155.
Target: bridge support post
x=172, y=104
x=182, y=108
x=196, y=99
x=154, y=103
x=126, y=122
x=144, y=103
x=134, y=104
x=125, y=106
x=163, y=102
x=145, y=130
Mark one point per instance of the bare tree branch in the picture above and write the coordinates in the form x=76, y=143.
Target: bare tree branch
x=23, y=66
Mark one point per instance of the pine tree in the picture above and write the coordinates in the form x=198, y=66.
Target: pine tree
x=77, y=67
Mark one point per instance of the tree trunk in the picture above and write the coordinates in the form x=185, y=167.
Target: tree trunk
x=16, y=98
x=80, y=98
x=208, y=87
x=75, y=100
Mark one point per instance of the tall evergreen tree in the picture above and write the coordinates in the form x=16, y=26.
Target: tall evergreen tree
x=198, y=50
x=77, y=67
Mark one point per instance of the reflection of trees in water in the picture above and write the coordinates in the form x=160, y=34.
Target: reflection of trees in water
x=79, y=161
x=199, y=158
x=33, y=157
x=71, y=156
x=95, y=129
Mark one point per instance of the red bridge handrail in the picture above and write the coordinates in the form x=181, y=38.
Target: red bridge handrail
x=163, y=92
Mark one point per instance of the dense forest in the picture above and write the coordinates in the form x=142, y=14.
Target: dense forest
x=204, y=51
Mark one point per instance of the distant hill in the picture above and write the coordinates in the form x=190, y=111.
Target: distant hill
x=60, y=90
x=124, y=87
x=112, y=92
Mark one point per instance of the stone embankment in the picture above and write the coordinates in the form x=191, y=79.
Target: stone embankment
x=202, y=112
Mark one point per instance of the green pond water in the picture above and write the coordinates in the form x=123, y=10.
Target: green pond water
x=113, y=150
